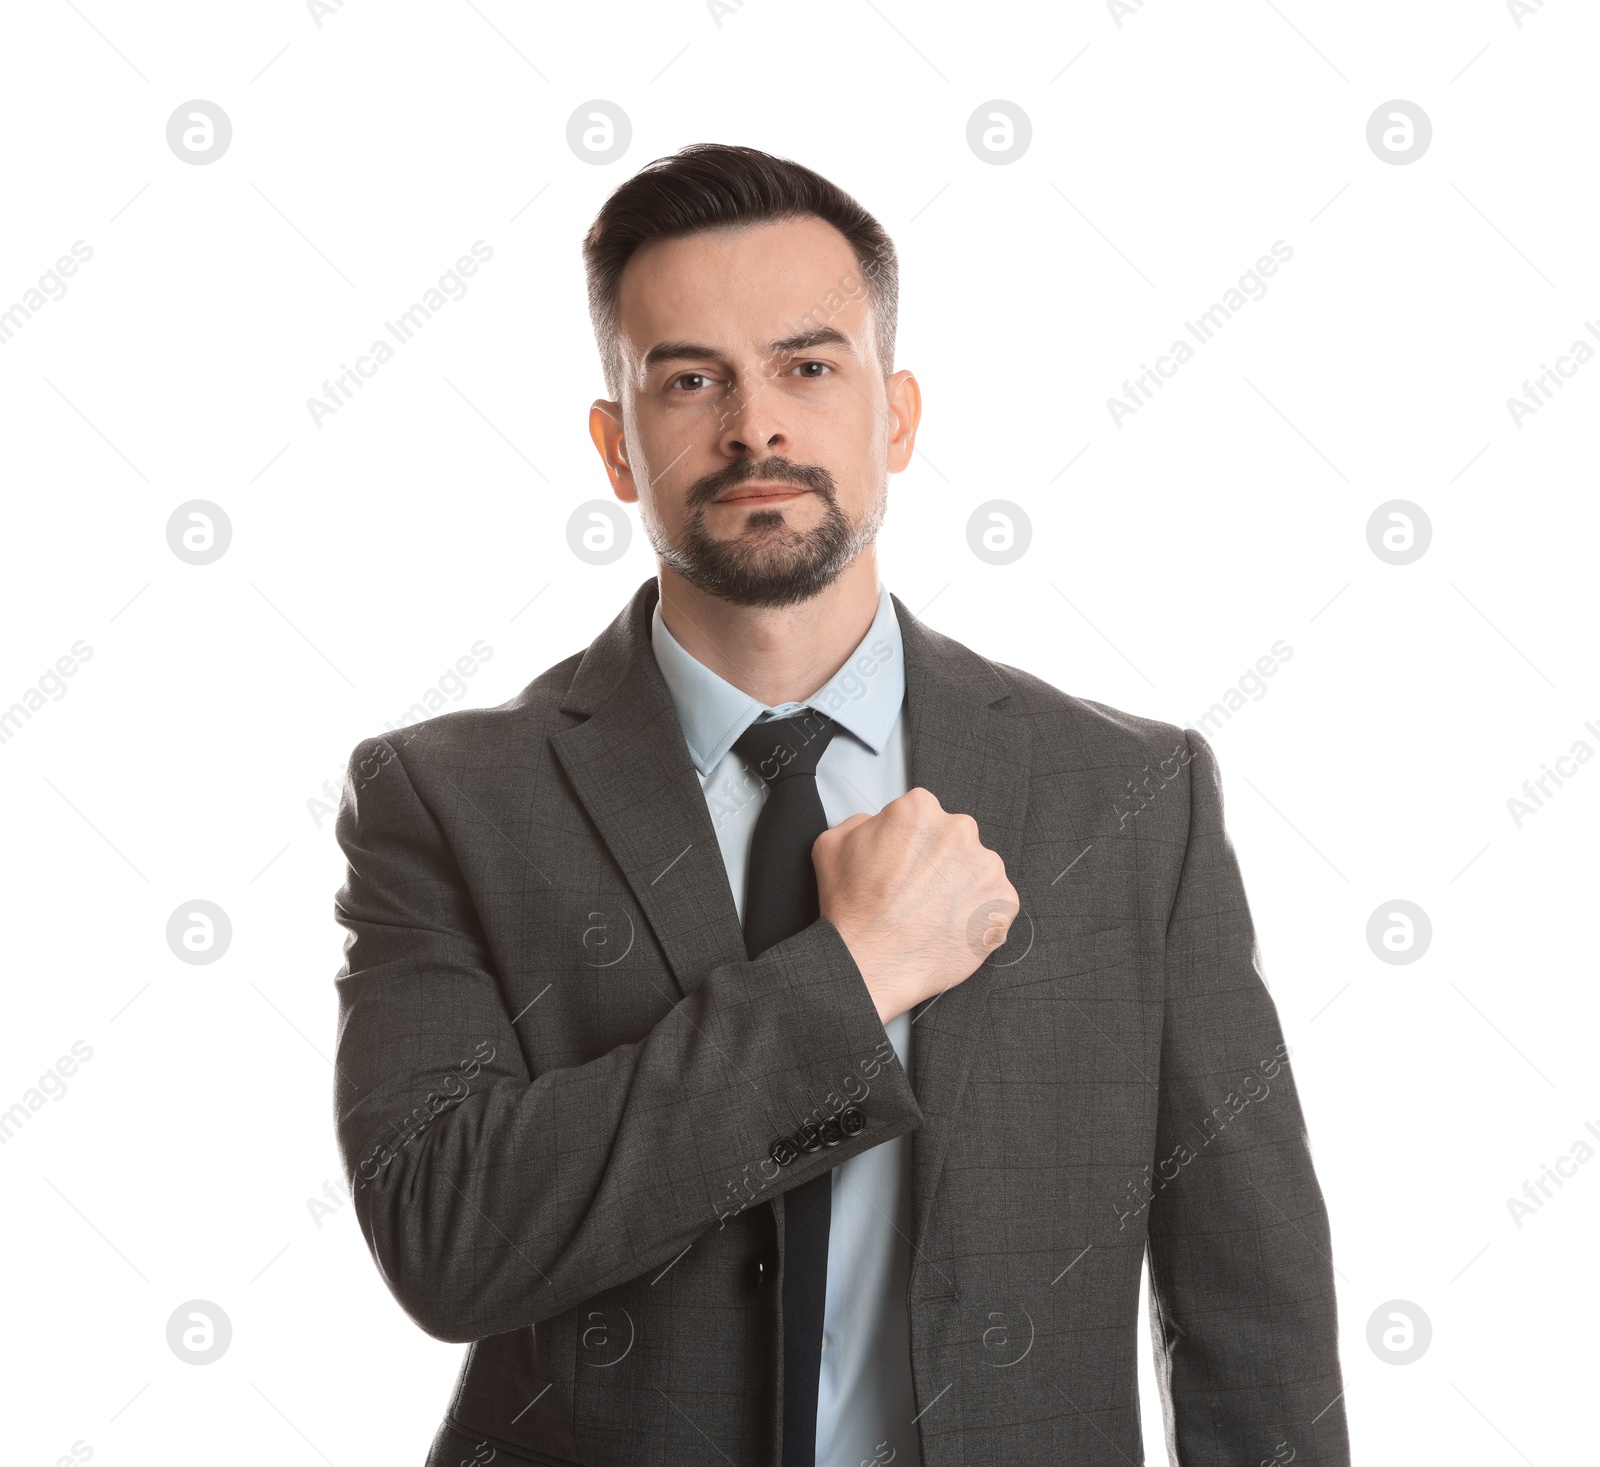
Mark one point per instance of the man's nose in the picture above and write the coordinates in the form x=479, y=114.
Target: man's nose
x=750, y=427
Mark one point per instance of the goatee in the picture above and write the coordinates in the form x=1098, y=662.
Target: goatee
x=768, y=563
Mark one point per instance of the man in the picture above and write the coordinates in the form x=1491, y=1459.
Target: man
x=779, y=1033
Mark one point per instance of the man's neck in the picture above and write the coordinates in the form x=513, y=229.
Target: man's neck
x=780, y=654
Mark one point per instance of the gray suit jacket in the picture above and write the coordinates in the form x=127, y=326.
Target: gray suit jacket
x=566, y=1098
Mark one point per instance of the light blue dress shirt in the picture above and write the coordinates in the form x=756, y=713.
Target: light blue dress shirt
x=865, y=1403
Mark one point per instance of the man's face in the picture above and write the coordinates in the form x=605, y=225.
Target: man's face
x=755, y=428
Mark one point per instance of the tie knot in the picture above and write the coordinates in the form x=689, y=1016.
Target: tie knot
x=781, y=747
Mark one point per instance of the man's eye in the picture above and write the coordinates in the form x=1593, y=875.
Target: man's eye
x=804, y=369
x=690, y=381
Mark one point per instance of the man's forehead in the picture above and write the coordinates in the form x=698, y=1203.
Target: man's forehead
x=751, y=286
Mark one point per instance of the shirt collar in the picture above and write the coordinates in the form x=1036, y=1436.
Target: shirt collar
x=863, y=697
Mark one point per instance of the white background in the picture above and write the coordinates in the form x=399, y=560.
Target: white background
x=1168, y=153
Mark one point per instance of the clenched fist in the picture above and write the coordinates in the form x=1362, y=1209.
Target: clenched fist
x=918, y=898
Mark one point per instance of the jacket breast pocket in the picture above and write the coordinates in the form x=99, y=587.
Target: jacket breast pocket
x=1065, y=952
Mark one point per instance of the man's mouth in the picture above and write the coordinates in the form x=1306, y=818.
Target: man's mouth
x=758, y=494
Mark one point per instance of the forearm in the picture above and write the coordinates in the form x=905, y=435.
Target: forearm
x=526, y=1196
x=1241, y=1267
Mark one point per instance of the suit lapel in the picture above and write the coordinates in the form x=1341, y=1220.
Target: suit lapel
x=631, y=770
x=976, y=760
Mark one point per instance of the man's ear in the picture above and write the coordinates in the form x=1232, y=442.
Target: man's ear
x=605, y=428
x=905, y=412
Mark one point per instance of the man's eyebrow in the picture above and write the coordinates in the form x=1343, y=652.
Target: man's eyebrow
x=689, y=351
x=680, y=351
x=822, y=336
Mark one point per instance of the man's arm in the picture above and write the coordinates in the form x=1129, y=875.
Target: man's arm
x=520, y=1195
x=1240, y=1261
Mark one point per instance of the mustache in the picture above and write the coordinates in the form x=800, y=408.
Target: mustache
x=777, y=470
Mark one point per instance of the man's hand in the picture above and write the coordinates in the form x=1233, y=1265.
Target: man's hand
x=918, y=898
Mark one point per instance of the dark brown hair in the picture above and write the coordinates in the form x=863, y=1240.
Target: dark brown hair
x=716, y=186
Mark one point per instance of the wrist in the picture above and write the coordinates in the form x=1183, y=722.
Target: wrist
x=868, y=966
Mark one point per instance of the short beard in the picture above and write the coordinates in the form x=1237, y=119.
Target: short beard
x=783, y=566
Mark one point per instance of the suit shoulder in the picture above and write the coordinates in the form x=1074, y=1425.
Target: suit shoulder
x=533, y=711
x=1112, y=732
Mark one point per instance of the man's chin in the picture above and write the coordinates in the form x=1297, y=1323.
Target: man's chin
x=768, y=563
x=763, y=581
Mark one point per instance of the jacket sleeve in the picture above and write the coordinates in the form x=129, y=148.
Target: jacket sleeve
x=1241, y=1271
x=492, y=1198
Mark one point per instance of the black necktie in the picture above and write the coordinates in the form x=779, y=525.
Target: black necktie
x=781, y=900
